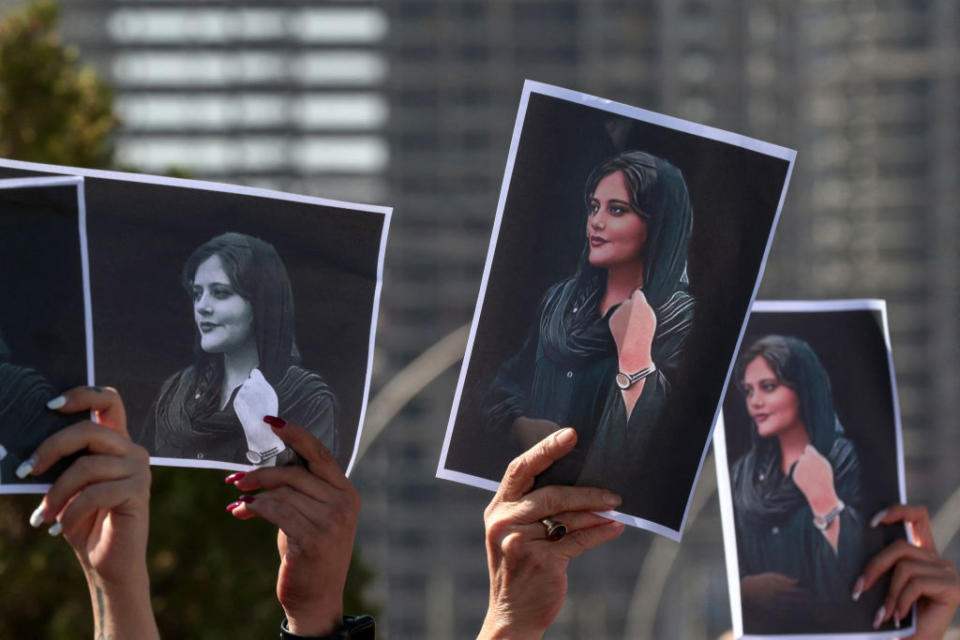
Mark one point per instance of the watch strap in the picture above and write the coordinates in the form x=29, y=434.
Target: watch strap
x=626, y=380
x=823, y=522
x=354, y=628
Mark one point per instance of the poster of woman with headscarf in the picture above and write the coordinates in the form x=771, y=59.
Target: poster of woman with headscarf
x=218, y=305
x=626, y=251
x=808, y=452
x=44, y=320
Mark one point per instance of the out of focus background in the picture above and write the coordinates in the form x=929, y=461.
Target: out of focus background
x=411, y=103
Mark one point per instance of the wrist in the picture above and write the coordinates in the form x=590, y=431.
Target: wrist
x=822, y=505
x=314, y=623
x=633, y=362
x=348, y=628
x=122, y=608
x=495, y=628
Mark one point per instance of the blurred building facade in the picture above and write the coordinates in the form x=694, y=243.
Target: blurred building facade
x=412, y=103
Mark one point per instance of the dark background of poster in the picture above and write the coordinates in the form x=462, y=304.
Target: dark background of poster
x=41, y=289
x=734, y=192
x=851, y=347
x=41, y=297
x=140, y=236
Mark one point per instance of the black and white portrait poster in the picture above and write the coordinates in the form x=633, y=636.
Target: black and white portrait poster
x=808, y=451
x=45, y=324
x=625, y=253
x=216, y=305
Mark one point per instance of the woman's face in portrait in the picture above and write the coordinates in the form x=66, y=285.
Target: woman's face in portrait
x=615, y=230
x=224, y=318
x=773, y=406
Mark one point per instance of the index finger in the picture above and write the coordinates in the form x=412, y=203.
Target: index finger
x=518, y=478
x=104, y=402
x=85, y=435
x=320, y=461
x=887, y=559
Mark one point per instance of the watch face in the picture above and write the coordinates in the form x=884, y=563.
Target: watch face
x=623, y=381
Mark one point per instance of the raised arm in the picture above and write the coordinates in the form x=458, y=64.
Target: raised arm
x=316, y=510
x=100, y=504
x=527, y=551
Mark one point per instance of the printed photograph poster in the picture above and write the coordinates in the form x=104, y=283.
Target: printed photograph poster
x=215, y=305
x=808, y=451
x=45, y=328
x=626, y=250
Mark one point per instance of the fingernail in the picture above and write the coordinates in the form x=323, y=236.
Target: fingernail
x=896, y=620
x=275, y=422
x=875, y=520
x=233, y=505
x=235, y=477
x=55, y=529
x=857, y=589
x=611, y=499
x=567, y=436
x=3, y=452
x=877, y=619
x=26, y=467
x=56, y=403
x=36, y=518
x=246, y=498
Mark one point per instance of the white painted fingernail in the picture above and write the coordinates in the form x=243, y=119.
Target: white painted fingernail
x=875, y=520
x=57, y=403
x=26, y=467
x=55, y=529
x=3, y=452
x=36, y=518
x=896, y=621
x=857, y=589
x=878, y=619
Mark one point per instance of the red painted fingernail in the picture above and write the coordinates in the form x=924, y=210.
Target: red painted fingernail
x=246, y=498
x=232, y=506
x=275, y=422
x=235, y=477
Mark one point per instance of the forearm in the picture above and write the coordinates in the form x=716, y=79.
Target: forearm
x=122, y=610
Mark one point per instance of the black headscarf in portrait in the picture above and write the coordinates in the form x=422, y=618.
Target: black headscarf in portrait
x=762, y=492
x=570, y=324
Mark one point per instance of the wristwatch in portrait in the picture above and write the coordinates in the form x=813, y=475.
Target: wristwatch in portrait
x=824, y=521
x=259, y=457
x=354, y=628
x=627, y=380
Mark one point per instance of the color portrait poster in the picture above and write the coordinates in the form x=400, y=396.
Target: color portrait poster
x=216, y=305
x=625, y=253
x=808, y=452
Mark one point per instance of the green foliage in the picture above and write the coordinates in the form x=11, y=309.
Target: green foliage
x=212, y=576
x=52, y=108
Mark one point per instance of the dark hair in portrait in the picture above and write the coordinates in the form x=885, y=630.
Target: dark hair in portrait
x=782, y=386
x=258, y=274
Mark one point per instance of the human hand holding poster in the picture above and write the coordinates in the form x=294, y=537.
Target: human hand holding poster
x=217, y=305
x=45, y=328
x=808, y=450
x=626, y=250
